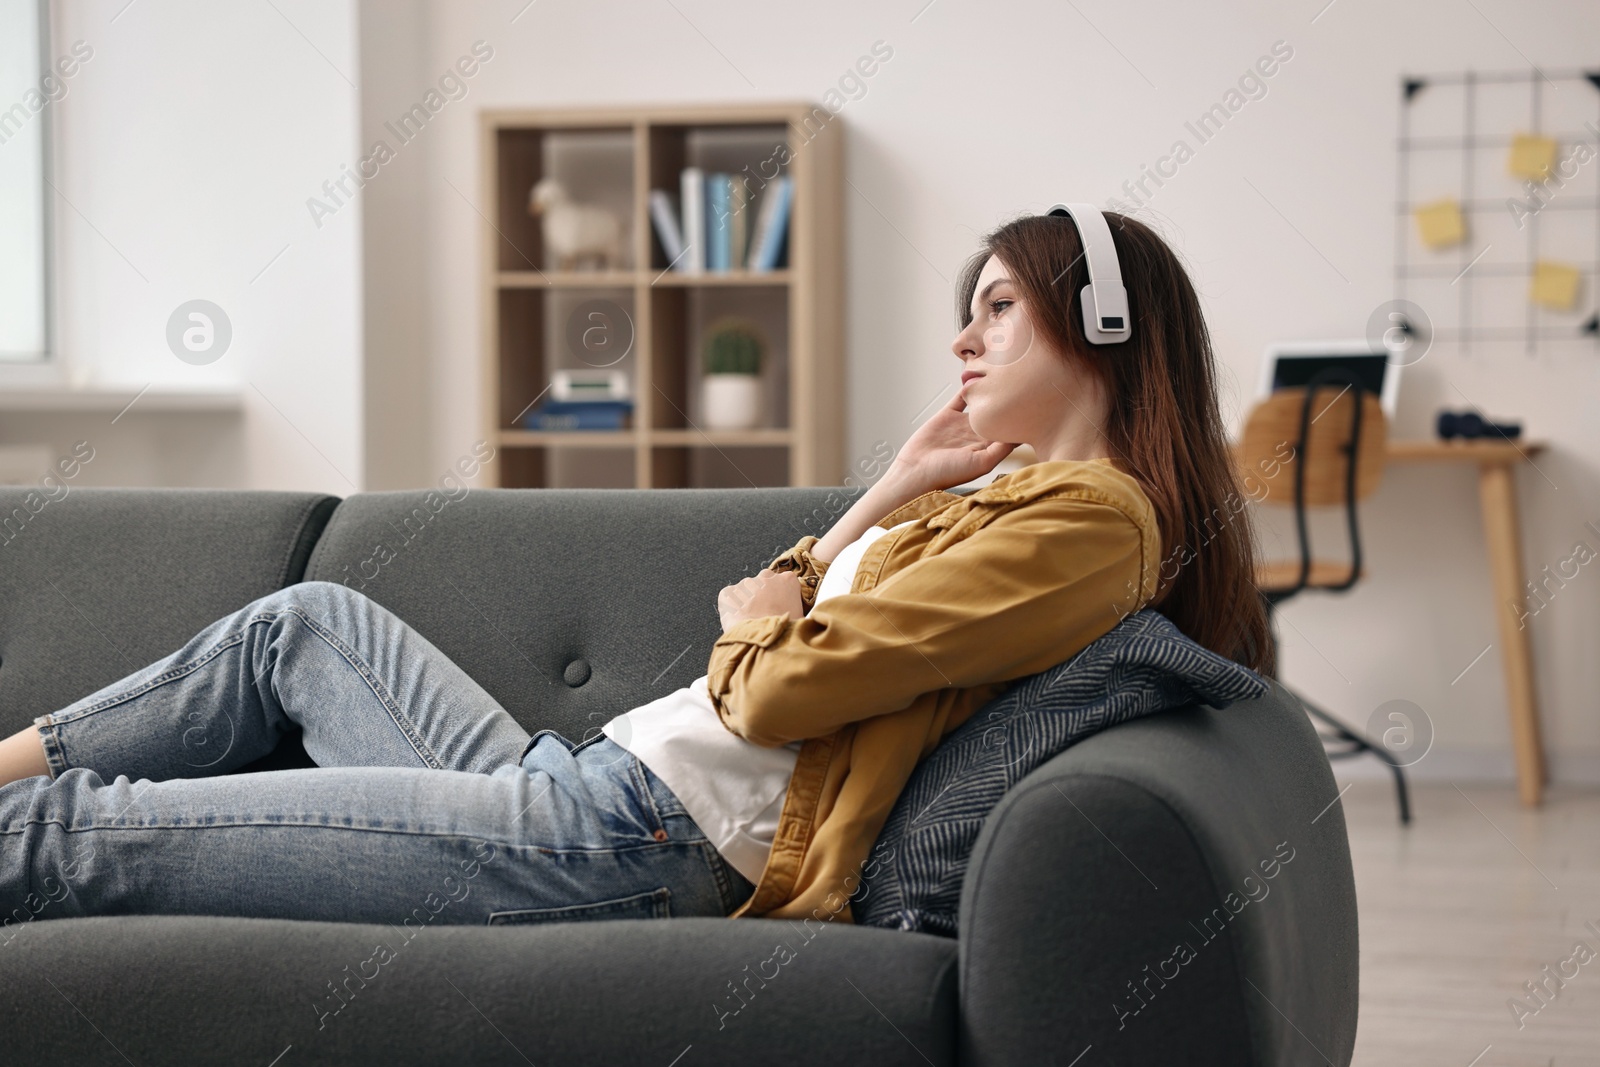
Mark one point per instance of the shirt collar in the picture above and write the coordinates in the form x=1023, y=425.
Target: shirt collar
x=1025, y=483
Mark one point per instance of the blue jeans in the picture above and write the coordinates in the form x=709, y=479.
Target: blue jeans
x=429, y=804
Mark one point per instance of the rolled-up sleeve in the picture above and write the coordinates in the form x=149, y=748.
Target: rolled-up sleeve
x=803, y=565
x=1024, y=592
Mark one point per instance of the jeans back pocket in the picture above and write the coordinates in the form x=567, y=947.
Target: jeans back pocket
x=652, y=904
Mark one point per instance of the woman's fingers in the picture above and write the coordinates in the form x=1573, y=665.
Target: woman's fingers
x=764, y=593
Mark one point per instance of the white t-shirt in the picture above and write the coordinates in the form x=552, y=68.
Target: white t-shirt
x=732, y=789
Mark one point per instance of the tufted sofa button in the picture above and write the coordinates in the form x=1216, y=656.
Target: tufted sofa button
x=577, y=673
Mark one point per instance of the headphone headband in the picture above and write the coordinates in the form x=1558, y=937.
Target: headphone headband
x=1104, y=300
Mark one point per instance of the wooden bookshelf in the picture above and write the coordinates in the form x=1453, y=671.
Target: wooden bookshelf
x=614, y=157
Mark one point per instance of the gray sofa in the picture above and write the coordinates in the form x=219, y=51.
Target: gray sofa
x=569, y=606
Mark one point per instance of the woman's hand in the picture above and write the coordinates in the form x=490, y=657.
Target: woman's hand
x=944, y=451
x=762, y=594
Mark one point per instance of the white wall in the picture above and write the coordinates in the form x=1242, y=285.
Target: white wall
x=986, y=110
x=187, y=147
x=399, y=410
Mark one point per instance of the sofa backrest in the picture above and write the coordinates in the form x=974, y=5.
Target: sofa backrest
x=97, y=583
x=569, y=606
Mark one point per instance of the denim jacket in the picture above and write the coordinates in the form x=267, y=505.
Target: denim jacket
x=942, y=617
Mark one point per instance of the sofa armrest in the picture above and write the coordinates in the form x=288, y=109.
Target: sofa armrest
x=1177, y=889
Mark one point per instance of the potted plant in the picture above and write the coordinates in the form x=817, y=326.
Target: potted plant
x=732, y=359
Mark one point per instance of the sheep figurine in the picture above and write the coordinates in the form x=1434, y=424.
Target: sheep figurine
x=573, y=231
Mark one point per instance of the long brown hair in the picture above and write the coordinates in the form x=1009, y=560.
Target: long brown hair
x=1163, y=426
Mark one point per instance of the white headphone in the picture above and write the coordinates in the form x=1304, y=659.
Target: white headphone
x=1104, y=300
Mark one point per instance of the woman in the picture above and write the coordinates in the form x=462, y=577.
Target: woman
x=757, y=790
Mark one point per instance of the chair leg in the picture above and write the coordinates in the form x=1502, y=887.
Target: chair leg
x=1366, y=745
x=1347, y=734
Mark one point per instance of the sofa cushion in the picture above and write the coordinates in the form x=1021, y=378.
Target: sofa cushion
x=695, y=991
x=100, y=582
x=1144, y=665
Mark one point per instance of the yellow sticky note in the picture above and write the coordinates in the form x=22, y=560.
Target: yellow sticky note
x=1440, y=223
x=1531, y=157
x=1555, y=286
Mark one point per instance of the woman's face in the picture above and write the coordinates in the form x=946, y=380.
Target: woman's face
x=1018, y=388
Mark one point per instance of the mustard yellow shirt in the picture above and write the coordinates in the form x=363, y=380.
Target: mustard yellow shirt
x=941, y=618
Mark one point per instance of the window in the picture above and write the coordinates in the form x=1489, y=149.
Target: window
x=27, y=87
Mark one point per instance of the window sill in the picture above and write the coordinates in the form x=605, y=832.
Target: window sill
x=118, y=398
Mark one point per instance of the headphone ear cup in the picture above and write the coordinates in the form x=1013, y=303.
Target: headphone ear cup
x=1091, y=329
x=1471, y=424
x=1447, y=425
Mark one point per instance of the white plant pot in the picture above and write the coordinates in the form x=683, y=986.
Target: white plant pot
x=732, y=401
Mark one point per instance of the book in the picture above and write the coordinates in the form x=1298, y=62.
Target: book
x=758, y=232
x=771, y=225
x=667, y=231
x=692, y=187
x=718, y=222
x=739, y=232
x=580, y=415
x=576, y=421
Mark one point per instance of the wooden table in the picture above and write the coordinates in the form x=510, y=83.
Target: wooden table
x=1498, y=501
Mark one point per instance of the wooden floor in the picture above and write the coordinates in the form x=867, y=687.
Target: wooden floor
x=1463, y=907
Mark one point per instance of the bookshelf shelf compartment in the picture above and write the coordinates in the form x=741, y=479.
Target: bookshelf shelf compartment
x=595, y=166
x=543, y=330
x=615, y=157
x=681, y=317
x=719, y=467
x=570, y=467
